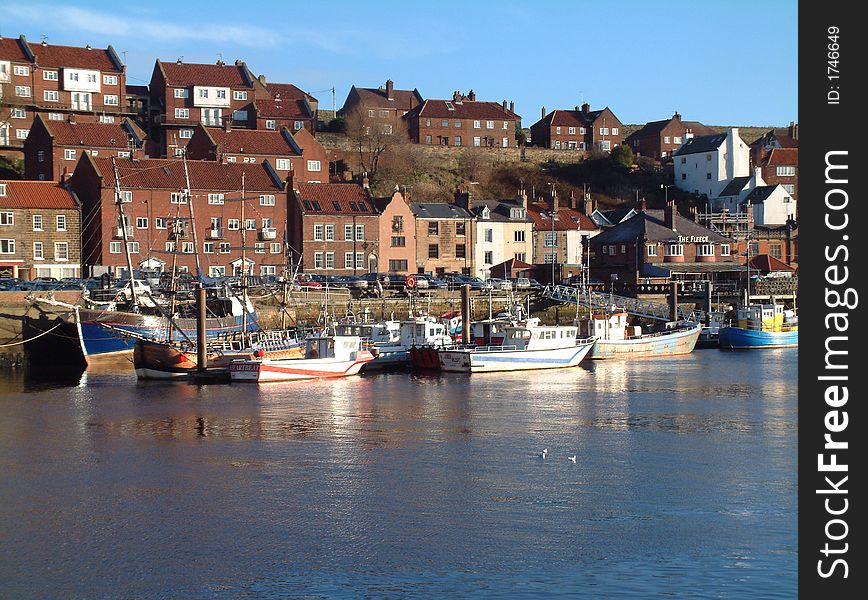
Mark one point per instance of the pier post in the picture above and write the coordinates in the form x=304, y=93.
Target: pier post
x=673, y=301
x=201, y=346
x=465, y=314
x=708, y=291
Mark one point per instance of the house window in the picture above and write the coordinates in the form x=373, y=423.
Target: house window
x=398, y=265
x=212, y=116
x=674, y=250
x=275, y=247
x=141, y=222
x=665, y=139
x=489, y=124
x=460, y=228
x=22, y=91
x=270, y=124
x=550, y=240
x=239, y=115
x=460, y=250
x=69, y=154
x=51, y=95
x=457, y=140
x=38, y=251
x=40, y=156
x=297, y=125
x=433, y=251
x=520, y=256
x=116, y=247
x=477, y=141
x=318, y=230
x=225, y=247
x=428, y=139
x=373, y=113
x=177, y=198
x=250, y=224
x=21, y=70
x=61, y=250
x=775, y=250
x=259, y=248
x=614, y=131
x=787, y=171
x=557, y=130
x=330, y=232
x=182, y=93
x=107, y=119
x=18, y=113
x=550, y=258
x=789, y=188
x=182, y=113
x=236, y=95
x=110, y=79
x=170, y=246
x=505, y=142
x=110, y=100
x=348, y=231
x=329, y=260
x=61, y=222
x=267, y=200
x=268, y=270
x=433, y=228
x=282, y=164
x=557, y=144
x=489, y=235
x=676, y=140
x=360, y=233
x=398, y=241
x=605, y=145
x=318, y=260
x=185, y=134
x=124, y=154
x=159, y=222
x=7, y=218
x=571, y=130
x=705, y=250
x=313, y=165
x=519, y=236
x=477, y=124
x=604, y=131
x=444, y=123
x=37, y=222
x=724, y=250
x=216, y=198
x=458, y=123
x=651, y=249
x=489, y=257
x=233, y=224
x=348, y=260
x=708, y=157
x=216, y=271
x=187, y=247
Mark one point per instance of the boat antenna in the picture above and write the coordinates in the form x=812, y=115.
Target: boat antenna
x=243, y=264
x=123, y=218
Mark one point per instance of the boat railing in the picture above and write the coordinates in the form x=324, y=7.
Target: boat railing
x=493, y=348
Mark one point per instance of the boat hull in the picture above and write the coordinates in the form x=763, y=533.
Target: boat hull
x=260, y=371
x=681, y=341
x=737, y=338
x=471, y=360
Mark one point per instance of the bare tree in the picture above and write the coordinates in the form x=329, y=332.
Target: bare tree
x=370, y=140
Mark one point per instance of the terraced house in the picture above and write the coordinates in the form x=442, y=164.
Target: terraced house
x=40, y=225
x=380, y=109
x=56, y=81
x=581, y=129
x=288, y=106
x=235, y=206
x=660, y=139
x=463, y=121
x=444, y=238
x=53, y=148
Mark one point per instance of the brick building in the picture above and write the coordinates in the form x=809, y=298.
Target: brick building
x=40, y=225
x=56, y=81
x=463, y=121
x=380, y=109
x=334, y=229
x=581, y=129
x=397, y=234
x=660, y=139
x=287, y=106
x=157, y=215
x=184, y=95
x=559, y=242
x=53, y=147
x=444, y=242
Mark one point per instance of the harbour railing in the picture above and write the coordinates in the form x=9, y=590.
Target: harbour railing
x=634, y=306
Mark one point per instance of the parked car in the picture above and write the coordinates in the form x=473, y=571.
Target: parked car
x=499, y=284
x=434, y=283
x=352, y=282
x=520, y=283
x=382, y=278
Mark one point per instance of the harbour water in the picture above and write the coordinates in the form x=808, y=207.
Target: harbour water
x=399, y=485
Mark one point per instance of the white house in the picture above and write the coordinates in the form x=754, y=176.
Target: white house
x=503, y=231
x=771, y=205
x=736, y=192
x=707, y=164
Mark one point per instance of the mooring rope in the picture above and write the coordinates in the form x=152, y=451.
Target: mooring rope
x=33, y=338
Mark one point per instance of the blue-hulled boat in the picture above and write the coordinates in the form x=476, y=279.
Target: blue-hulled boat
x=761, y=326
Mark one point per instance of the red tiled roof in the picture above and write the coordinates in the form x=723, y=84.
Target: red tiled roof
x=90, y=135
x=327, y=194
x=568, y=218
x=767, y=263
x=252, y=141
x=168, y=174
x=376, y=97
x=288, y=91
x=782, y=156
x=286, y=108
x=49, y=55
x=11, y=51
x=466, y=109
x=184, y=74
x=36, y=194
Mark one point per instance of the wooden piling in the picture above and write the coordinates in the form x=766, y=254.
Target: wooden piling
x=201, y=345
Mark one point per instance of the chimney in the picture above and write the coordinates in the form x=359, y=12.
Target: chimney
x=456, y=96
x=542, y=113
x=504, y=105
x=676, y=116
x=238, y=62
x=589, y=204
x=227, y=123
x=390, y=89
x=290, y=180
x=694, y=214
x=71, y=118
x=793, y=130
x=262, y=79
x=366, y=184
x=586, y=108
x=555, y=206
x=669, y=215
x=511, y=106
x=471, y=95
x=522, y=196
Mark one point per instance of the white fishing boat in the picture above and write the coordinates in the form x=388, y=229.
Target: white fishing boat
x=325, y=356
x=528, y=346
x=616, y=339
x=413, y=335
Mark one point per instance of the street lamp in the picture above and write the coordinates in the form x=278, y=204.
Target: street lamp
x=666, y=187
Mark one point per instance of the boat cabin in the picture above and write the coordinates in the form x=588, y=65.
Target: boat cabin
x=339, y=347
x=540, y=337
x=386, y=332
x=764, y=317
x=423, y=331
x=608, y=326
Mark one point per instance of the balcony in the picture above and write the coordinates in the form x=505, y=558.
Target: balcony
x=215, y=234
x=268, y=233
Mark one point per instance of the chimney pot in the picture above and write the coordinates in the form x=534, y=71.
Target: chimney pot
x=669, y=215
x=542, y=112
x=511, y=106
x=390, y=89
x=504, y=105
x=586, y=108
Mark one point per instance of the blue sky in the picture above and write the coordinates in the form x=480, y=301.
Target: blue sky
x=721, y=63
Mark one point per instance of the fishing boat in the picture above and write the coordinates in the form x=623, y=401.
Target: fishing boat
x=761, y=326
x=414, y=335
x=324, y=356
x=529, y=346
x=616, y=339
x=153, y=359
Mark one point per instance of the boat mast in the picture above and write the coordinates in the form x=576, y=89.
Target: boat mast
x=243, y=266
x=120, y=205
x=192, y=218
x=173, y=289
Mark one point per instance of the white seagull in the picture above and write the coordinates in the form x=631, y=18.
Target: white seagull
x=572, y=458
x=544, y=452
